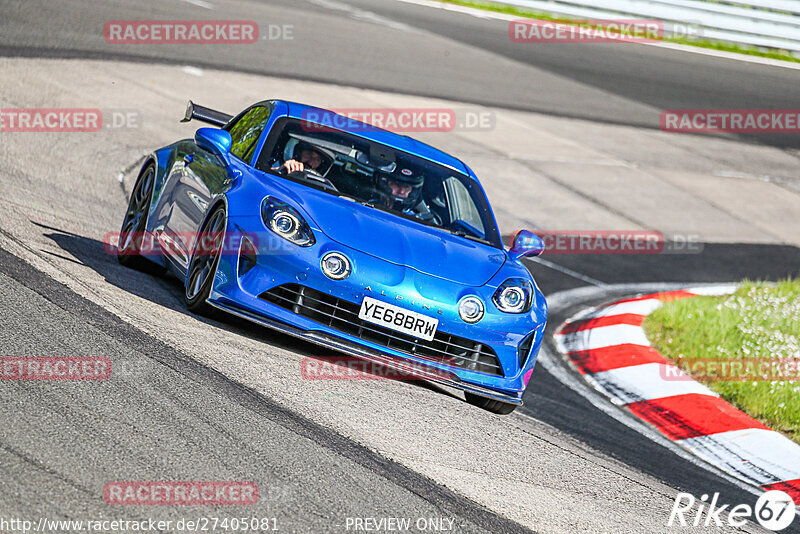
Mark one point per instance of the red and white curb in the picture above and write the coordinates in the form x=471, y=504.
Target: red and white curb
x=609, y=348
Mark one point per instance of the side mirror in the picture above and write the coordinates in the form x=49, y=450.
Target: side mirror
x=214, y=140
x=525, y=243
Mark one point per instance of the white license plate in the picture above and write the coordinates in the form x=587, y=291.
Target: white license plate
x=397, y=318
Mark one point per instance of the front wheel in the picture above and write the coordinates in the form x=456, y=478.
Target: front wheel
x=491, y=405
x=203, y=266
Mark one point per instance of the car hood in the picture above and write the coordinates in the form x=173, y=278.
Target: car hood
x=403, y=242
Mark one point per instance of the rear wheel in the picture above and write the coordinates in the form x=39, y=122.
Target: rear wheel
x=491, y=405
x=203, y=266
x=132, y=236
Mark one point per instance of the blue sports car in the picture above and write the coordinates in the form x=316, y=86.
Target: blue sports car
x=352, y=237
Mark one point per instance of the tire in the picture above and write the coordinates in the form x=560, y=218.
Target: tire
x=131, y=236
x=203, y=265
x=490, y=405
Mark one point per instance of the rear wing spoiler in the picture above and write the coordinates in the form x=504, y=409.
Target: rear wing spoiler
x=204, y=114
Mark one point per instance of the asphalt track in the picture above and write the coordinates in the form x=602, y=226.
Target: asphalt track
x=421, y=51
x=226, y=431
x=192, y=418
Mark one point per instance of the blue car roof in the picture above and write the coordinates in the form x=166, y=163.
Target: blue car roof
x=390, y=139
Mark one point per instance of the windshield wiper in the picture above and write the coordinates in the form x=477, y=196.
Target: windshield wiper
x=311, y=179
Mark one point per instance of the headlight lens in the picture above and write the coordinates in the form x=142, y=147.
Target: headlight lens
x=514, y=296
x=470, y=309
x=335, y=266
x=286, y=222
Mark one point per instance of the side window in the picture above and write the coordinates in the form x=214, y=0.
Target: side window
x=461, y=205
x=246, y=131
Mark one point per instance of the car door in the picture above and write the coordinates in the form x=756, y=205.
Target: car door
x=203, y=177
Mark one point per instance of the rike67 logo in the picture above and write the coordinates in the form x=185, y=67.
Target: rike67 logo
x=774, y=510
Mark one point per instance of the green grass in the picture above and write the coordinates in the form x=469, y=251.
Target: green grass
x=702, y=43
x=757, y=323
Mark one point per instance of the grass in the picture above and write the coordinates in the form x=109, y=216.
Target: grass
x=702, y=43
x=757, y=324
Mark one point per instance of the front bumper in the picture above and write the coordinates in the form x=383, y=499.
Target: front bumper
x=400, y=365
x=278, y=265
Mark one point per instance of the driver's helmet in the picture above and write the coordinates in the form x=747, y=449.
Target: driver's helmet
x=325, y=156
x=403, y=186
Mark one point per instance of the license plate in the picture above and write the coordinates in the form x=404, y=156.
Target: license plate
x=397, y=318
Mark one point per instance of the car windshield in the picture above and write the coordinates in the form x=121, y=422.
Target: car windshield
x=379, y=176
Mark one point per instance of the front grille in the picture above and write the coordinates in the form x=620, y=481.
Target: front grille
x=342, y=315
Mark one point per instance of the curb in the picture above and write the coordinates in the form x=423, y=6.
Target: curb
x=608, y=347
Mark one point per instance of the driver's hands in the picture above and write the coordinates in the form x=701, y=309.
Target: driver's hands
x=293, y=165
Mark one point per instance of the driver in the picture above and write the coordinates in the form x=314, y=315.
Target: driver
x=403, y=191
x=305, y=155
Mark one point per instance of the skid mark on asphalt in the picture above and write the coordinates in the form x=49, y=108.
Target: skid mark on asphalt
x=444, y=499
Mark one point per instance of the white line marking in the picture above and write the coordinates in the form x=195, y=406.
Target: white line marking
x=746, y=176
x=361, y=14
x=483, y=14
x=569, y=272
x=194, y=71
x=200, y=3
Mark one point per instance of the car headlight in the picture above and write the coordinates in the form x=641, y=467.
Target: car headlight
x=514, y=296
x=470, y=309
x=286, y=222
x=335, y=265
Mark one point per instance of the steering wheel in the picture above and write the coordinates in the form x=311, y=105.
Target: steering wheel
x=432, y=217
x=308, y=173
x=380, y=198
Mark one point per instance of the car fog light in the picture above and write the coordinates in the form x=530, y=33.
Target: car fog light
x=335, y=266
x=471, y=309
